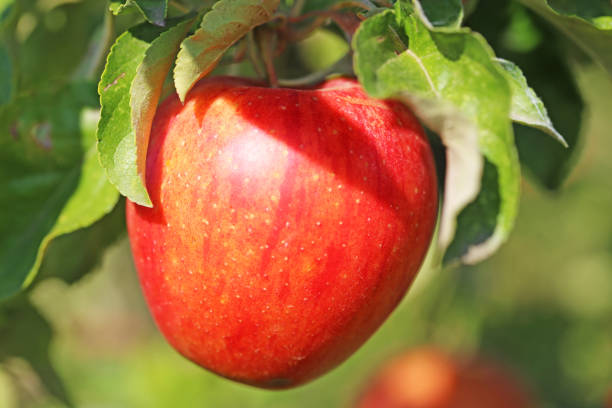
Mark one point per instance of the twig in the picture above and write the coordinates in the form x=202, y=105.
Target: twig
x=317, y=76
x=266, y=39
x=254, y=55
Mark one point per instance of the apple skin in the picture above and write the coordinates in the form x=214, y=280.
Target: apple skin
x=286, y=224
x=430, y=378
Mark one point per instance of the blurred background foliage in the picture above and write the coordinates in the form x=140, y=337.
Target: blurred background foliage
x=542, y=305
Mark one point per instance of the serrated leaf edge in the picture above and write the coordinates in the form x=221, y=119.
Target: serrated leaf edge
x=544, y=124
x=505, y=218
x=141, y=148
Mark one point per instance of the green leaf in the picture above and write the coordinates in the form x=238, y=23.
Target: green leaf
x=117, y=6
x=547, y=161
x=154, y=11
x=478, y=220
x=148, y=83
x=63, y=261
x=527, y=108
x=131, y=62
x=593, y=34
x=440, y=14
x=453, y=83
x=25, y=333
x=50, y=177
x=520, y=35
x=596, y=12
x=220, y=28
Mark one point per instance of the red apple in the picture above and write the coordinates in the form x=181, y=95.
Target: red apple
x=431, y=378
x=424, y=378
x=286, y=224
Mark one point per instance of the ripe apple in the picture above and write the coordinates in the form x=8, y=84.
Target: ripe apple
x=430, y=378
x=286, y=224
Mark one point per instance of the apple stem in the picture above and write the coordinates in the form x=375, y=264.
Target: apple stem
x=254, y=56
x=272, y=78
x=267, y=41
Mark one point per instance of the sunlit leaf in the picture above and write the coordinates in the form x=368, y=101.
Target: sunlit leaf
x=468, y=98
x=523, y=37
x=140, y=56
x=527, y=108
x=147, y=86
x=226, y=23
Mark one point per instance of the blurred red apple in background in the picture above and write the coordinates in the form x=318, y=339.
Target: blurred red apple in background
x=424, y=378
x=286, y=224
x=431, y=378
